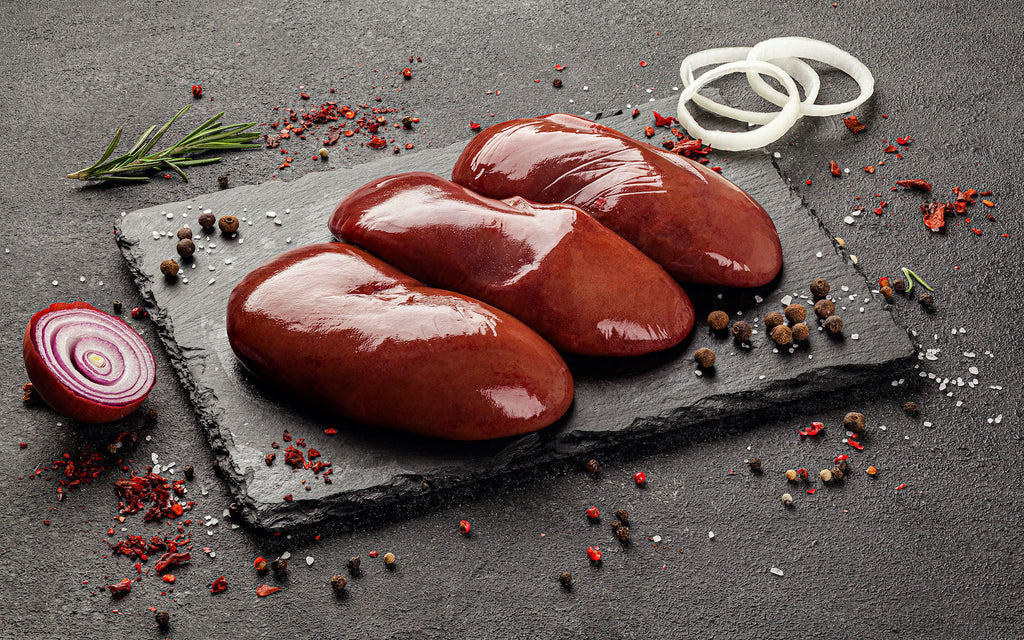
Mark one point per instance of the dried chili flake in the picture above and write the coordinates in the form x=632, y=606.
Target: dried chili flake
x=870, y=168
x=901, y=487
x=635, y=113
x=120, y=589
x=904, y=140
x=30, y=396
x=407, y=72
x=197, y=91
x=169, y=578
x=220, y=584
x=915, y=183
x=813, y=430
x=594, y=553
x=890, y=149
x=976, y=232
x=663, y=121
x=649, y=131
x=833, y=166
x=289, y=498
x=474, y=126
x=376, y=143
x=988, y=203
x=294, y=457
x=409, y=145
x=269, y=460
x=853, y=124
x=934, y=214
x=559, y=67
x=840, y=458
x=331, y=431
x=266, y=590
x=172, y=559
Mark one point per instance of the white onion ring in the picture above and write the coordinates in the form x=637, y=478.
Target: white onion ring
x=95, y=356
x=779, y=124
x=802, y=72
x=814, y=50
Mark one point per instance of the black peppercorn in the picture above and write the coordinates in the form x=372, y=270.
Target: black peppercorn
x=616, y=524
x=819, y=287
x=854, y=422
x=801, y=331
x=705, y=357
x=338, y=583
x=207, y=220
x=556, y=83
x=234, y=510
x=841, y=466
x=622, y=515
x=837, y=473
x=592, y=466
x=222, y=181
x=623, y=533
x=184, y=232
x=566, y=579
x=824, y=308
x=190, y=472
x=773, y=320
x=162, y=618
x=228, y=224
x=834, y=324
x=353, y=565
x=910, y=408
x=796, y=313
x=185, y=247
x=118, y=306
x=279, y=566
x=927, y=300
x=718, y=320
x=782, y=335
x=754, y=464
x=741, y=331
x=151, y=416
x=169, y=268
x=407, y=122
x=899, y=284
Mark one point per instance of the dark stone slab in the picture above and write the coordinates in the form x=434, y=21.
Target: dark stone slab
x=617, y=402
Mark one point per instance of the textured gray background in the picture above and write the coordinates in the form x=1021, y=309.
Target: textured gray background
x=939, y=559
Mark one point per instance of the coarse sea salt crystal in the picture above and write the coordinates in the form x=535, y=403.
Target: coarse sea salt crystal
x=309, y=561
x=786, y=300
x=972, y=370
x=848, y=219
x=286, y=555
x=777, y=571
x=656, y=539
x=999, y=418
x=818, y=255
x=758, y=299
x=711, y=535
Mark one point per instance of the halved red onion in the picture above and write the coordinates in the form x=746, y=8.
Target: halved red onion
x=86, y=364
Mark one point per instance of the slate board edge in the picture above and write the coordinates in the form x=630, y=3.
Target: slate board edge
x=411, y=488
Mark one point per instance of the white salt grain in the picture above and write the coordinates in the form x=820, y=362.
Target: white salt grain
x=777, y=571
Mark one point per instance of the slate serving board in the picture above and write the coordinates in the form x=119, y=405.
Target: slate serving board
x=617, y=401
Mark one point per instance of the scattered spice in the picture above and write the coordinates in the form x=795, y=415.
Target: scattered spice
x=169, y=268
x=265, y=590
x=825, y=475
x=185, y=247
x=389, y=558
x=279, y=566
x=705, y=357
x=824, y=308
x=833, y=166
x=853, y=124
x=870, y=168
x=754, y=464
x=886, y=292
x=782, y=335
x=222, y=181
x=787, y=499
x=338, y=583
x=833, y=324
x=565, y=579
x=791, y=475
x=121, y=589
x=464, y=527
x=197, y=91
x=260, y=564
x=915, y=183
x=934, y=214
x=593, y=513
x=813, y=430
x=872, y=470
x=162, y=618
x=640, y=478
x=741, y=331
x=837, y=473
x=29, y=395
x=854, y=422
x=801, y=331
x=184, y=232
x=796, y=313
x=927, y=300
x=622, y=533
x=220, y=584
x=718, y=320
x=819, y=287
x=353, y=565
x=228, y=224
x=556, y=83
x=592, y=466
x=910, y=408
x=773, y=319
x=594, y=553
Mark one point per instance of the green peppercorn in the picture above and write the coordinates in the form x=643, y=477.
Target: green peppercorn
x=718, y=320
x=162, y=618
x=854, y=422
x=184, y=232
x=899, y=284
x=773, y=320
x=741, y=331
x=169, y=268
x=910, y=408
x=820, y=287
x=927, y=300
x=801, y=331
x=185, y=247
x=207, y=220
x=228, y=224
x=754, y=464
x=566, y=580
x=796, y=313
x=353, y=565
x=338, y=583
x=782, y=335
x=824, y=308
x=834, y=324
x=705, y=357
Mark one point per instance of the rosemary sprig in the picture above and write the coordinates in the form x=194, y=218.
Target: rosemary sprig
x=209, y=136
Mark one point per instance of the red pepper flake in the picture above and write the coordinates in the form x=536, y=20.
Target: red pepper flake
x=474, y=126
x=594, y=553
x=407, y=72
x=373, y=554
x=559, y=67
x=172, y=558
x=331, y=431
x=593, y=513
x=853, y=443
x=883, y=281
x=640, y=478
x=833, y=166
x=197, y=91
x=266, y=590
x=811, y=491
x=853, y=124
x=813, y=430
x=902, y=487
x=977, y=232
x=808, y=181
x=23, y=445
x=409, y=145
x=915, y=183
x=269, y=460
x=635, y=113
x=802, y=472
x=662, y=121
x=890, y=149
x=649, y=131
x=464, y=527
x=376, y=143
x=169, y=577
x=878, y=211
x=904, y=140
x=988, y=203
x=304, y=95
x=219, y=585
x=934, y=214
x=289, y=498
x=840, y=458
x=643, y=63
x=120, y=589
x=870, y=168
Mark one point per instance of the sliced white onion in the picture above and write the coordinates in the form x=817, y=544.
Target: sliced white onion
x=830, y=54
x=774, y=129
x=802, y=72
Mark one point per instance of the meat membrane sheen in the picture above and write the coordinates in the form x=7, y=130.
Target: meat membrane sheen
x=697, y=225
x=579, y=285
x=332, y=325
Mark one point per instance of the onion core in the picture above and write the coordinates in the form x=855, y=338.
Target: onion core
x=86, y=364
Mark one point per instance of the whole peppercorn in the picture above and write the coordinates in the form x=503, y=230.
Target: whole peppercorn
x=927, y=300
x=260, y=565
x=791, y=475
x=566, y=580
x=207, y=220
x=741, y=331
x=819, y=287
x=705, y=357
x=222, y=181
x=824, y=308
x=825, y=475
x=592, y=466
x=837, y=473
x=834, y=324
x=556, y=83
x=353, y=565
x=899, y=284
x=162, y=618
x=718, y=320
x=228, y=224
x=338, y=583
x=782, y=335
x=622, y=515
x=616, y=524
x=169, y=268
x=185, y=247
x=886, y=292
x=389, y=558
x=754, y=464
x=190, y=472
x=773, y=319
x=841, y=466
x=801, y=331
x=324, y=153
x=184, y=232
x=118, y=306
x=407, y=122
x=796, y=313
x=910, y=408
x=279, y=566
x=787, y=500
x=623, y=533
x=854, y=422
x=151, y=416
x=234, y=510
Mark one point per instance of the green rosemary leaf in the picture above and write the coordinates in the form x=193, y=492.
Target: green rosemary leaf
x=110, y=147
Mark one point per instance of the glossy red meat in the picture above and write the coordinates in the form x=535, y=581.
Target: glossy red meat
x=332, y=325
x=566, y=276
x=693, y=222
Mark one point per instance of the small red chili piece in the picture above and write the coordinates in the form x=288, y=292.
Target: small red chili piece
x=901, y=487
x=649, y=131
x=559, y=67
x=594, y=553
x=407, y=72
x=266, y=590
x=840, y=458
x=593, y=513
x=890, y=149
x=802, y=472
x=663, y=121
x=870, y=168
x=219, y=585
x=120, y=589
x=373, y=554
x=934, y=214
x=635, y=113
x=474, y=126
x=169, y=577
x=811, y=491
x=464, y=527
x=138, y=312
x=904, y=140
x=915, y=183
x=640, y=478
x=833, y=166
x=853, y=124
x=197, y=91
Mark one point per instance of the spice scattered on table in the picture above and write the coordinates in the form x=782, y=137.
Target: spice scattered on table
x=565, y=579
x=338, y=583
x=219, y=585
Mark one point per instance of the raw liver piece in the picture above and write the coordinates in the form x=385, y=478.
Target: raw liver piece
x=566, y=276
x=693, y=222
x=332, y=325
